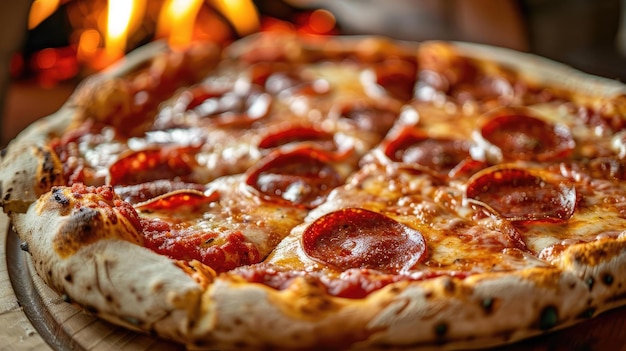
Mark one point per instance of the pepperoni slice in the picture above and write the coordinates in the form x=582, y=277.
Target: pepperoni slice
x=153, y=164
x=302, y=177
x=340, y=148
x=520, y=136
x=299, y=134
x=359, y=238
x=226, y=107
x=521, y=195
x=187, y=198
x=279, y=79
x=415, y=147
x=397, y=76
x=145, y=191
x=370, y=118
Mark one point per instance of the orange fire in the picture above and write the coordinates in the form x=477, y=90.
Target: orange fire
x=176, y=21
x=120, y=15
x=104, y=28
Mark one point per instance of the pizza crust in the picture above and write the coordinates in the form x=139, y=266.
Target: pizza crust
x=480, y=311
x=148, y=292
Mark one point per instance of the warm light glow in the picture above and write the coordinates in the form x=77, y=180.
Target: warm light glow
x=176, y=21
x=40, y=10
x=46, y=58
x=322, y=21
x=104, y=30
x=242, y=14
x=118, y=20
x=88, y=44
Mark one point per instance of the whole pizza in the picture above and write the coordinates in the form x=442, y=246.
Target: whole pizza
x=329, y=192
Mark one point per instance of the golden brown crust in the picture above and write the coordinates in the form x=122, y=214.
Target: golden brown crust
x=88, y=247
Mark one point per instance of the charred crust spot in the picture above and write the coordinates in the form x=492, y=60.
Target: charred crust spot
x=449, y=286
x=201, y=344
x=48, y=164
x=109, y=298
x=68, y=278
x=59, y=197
x=66, y=298
x=7, y=196
x=590, y=281
x=588, y=313
x=91, y=309
x=548, y=318
x=157, y=287
x=49, y=273
x=395, y=290
x=441, y=329
x=487, y=304
x=80, y=229
x=24, y=246
x=132, y=320
x=241, y=345
x=607, y=279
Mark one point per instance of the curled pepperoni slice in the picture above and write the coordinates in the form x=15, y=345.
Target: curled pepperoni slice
x=137, y=193
x=187, y=198
x=239, y=105
x=359, y=238
x=520, y=136
x=296, y=135
x=302, y=176
x=370, y=118
x=439, y=154
x=397, y=76
x=521, y=195
x=153, y=164
x=339, y=147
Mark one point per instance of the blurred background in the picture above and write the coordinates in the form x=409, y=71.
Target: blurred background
x=49, y=46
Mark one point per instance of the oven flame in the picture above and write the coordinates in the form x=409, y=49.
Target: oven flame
x=40, y=10
x=176, y=21
x=242, y=14
x=119, y=13
x=103, y=31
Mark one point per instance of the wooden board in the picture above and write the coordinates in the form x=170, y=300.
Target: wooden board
x=33, y=317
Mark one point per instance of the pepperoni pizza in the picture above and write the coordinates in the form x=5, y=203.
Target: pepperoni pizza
x=303, y=192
